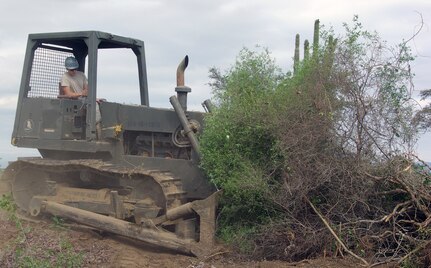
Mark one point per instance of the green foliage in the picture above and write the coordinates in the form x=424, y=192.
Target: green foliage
x=239, y=236
x=252, y=76
x=68, y=257
x=7, y=204
x=58, y=222
x=239, y=151
x=242, y=145
x=23, y=260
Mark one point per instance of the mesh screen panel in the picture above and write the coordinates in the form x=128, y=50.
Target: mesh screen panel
x=48, y=67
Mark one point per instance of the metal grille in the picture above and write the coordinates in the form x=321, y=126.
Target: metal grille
x=48, y=67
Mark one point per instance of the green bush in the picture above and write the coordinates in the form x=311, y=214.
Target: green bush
x=239, y=151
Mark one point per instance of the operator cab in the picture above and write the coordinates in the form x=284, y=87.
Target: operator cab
x=45, y=118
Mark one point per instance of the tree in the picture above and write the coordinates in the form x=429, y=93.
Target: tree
x=374, y=85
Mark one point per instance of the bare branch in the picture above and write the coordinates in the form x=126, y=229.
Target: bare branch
x=334, y=234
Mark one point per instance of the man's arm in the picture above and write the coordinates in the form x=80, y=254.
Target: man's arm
x=85, y=90
x=69, y=93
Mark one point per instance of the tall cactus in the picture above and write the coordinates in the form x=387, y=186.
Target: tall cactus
x=316, y=38
x=329, y=52
x=296, y=57
x=306, y=50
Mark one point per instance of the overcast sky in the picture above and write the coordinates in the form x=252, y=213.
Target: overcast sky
x=210, y=32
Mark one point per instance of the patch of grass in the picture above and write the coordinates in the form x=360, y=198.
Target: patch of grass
x=7, y=204
x=58, y=222
x=23, y=260
x=64, y=256
x=68, y=257
x=24, y=252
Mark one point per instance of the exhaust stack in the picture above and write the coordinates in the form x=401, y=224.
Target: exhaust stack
x=181, y=89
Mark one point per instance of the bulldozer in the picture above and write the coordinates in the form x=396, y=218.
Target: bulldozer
x=135, y=173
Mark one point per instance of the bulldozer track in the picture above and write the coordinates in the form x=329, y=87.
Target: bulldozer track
x=131, y=202
x=171, y=186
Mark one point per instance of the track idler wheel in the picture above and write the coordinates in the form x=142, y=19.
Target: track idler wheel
x=29, y=182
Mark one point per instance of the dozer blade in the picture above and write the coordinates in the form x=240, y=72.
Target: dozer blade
x=146, y=233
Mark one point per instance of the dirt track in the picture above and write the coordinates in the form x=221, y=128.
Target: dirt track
x=99, y=250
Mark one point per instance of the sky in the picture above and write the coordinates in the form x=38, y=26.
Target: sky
x=211, y=33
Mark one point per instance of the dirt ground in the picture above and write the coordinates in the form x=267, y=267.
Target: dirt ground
x=106, y=250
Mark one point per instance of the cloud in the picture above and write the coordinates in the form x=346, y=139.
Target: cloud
x=8, y=102
x=423, y=147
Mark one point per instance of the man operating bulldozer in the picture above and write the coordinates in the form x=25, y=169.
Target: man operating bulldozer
x=74, y=83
